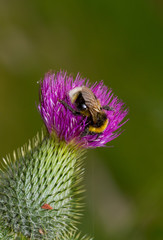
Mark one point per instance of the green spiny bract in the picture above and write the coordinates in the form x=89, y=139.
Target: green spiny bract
x=75, y=235
x=5, y=233
x=47, y=173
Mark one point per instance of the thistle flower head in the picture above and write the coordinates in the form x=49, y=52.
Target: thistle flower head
x=60, y=121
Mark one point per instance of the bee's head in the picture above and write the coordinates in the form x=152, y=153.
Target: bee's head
x=78, y=100
x=74, y=93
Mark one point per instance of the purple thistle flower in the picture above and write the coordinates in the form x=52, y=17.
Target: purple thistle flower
x=64, y=123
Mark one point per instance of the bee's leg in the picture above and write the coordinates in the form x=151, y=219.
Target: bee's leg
x=98, y=134
x=85, y=132
x=94, y=133
x=107, y=108
x=70, y=108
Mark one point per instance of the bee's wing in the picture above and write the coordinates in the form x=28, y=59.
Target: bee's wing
x=92, y=102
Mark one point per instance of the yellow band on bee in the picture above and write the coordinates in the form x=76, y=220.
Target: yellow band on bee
x=99, y=129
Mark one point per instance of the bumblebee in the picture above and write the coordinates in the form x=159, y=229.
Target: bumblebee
x=88, y=106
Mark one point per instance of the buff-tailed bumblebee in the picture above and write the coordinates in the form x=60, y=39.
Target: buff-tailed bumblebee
x=89, y=106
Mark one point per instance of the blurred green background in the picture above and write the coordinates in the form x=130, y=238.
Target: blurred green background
x=120, y=42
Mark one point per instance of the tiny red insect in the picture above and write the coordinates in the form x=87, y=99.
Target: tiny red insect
x=41, y=231
x=46, y=206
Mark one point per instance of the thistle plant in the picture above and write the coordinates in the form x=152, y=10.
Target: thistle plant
x=40, y=185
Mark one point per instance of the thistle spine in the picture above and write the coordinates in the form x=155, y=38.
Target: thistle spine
x=39, y=188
